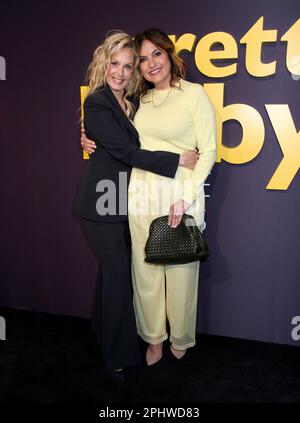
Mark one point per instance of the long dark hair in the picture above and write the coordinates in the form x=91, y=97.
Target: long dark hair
x=162, y=41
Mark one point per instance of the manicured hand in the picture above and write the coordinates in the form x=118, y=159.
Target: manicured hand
x=189, y=159
x=88, y=145
x=177, y=210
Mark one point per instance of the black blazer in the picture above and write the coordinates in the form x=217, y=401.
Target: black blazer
x=118, y=150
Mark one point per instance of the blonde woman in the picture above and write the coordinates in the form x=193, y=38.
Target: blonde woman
x=101, y=201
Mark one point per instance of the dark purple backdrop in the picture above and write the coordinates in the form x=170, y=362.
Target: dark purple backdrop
x=250, y=285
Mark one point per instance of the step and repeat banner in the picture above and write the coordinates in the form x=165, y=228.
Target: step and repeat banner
x=247, y=56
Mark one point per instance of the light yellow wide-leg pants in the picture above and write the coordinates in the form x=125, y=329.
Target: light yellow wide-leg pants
x=161, y=293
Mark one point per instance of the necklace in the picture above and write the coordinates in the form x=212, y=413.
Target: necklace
x=152, y=98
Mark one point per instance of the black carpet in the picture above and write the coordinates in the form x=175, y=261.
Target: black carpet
x=51, y=359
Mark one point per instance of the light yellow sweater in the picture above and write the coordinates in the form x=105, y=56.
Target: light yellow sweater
x=176, y=120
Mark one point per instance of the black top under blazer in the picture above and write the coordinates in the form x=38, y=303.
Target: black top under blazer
x=118, y=150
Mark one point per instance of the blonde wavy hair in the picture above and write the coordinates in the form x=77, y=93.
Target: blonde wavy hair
x=114, y=42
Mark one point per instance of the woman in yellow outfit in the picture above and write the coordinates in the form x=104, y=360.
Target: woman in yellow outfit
x=174, y=115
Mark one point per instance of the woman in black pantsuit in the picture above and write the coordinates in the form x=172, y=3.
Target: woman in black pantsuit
x=113, y=325
x=113, y=77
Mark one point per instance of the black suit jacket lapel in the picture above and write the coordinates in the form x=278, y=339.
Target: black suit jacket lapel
x=118, y=109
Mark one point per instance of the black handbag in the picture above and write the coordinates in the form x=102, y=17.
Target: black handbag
x=183, y=244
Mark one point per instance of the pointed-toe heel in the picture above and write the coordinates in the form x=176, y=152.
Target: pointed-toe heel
x=153, y=357
x=177, y=353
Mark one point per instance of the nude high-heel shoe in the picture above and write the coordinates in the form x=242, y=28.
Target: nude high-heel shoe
x=153, y=354
x=177, y=353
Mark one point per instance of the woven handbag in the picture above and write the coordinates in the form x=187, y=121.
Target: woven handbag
x=183, y=244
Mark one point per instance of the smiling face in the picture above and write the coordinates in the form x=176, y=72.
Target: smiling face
x=120, y=70
x=155, y=65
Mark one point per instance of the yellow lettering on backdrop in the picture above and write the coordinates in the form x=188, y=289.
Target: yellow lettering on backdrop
x=185, y=42
x=253, y=40
x=204, y=55
x=289, y=141
x=250, y=121
x=292, y=37
x=83, y=94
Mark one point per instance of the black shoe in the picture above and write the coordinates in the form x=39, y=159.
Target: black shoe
x=117, y=375
x=110, y=375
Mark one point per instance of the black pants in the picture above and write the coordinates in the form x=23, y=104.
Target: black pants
x=113, y=315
